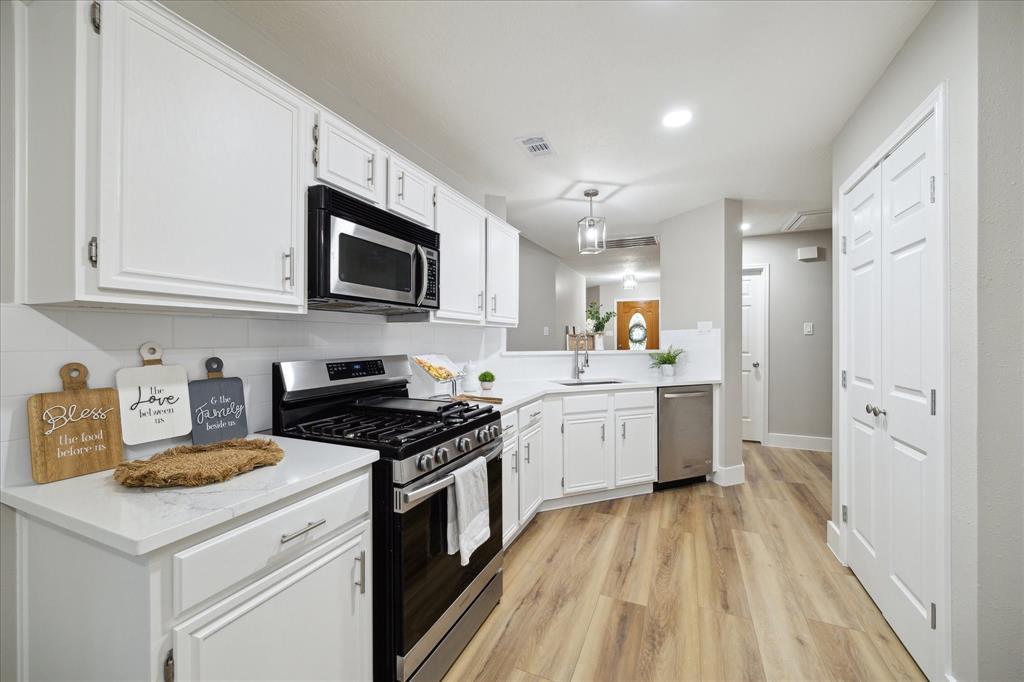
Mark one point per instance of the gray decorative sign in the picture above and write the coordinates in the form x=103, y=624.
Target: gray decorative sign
x=218, y=406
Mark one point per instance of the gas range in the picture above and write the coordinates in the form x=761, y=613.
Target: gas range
x=364, y=402
x=427, y=605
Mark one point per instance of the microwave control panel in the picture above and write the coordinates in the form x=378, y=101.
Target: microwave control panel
x=431, y=280
x=354, y=369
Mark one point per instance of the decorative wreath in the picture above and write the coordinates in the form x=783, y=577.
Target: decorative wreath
x=637, y=333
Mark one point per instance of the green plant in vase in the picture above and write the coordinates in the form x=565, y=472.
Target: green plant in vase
x=597, y=321
x=486, y=380
x=666, y=360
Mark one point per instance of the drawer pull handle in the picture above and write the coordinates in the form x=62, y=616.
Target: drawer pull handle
x=288, y=537
x=361, y=583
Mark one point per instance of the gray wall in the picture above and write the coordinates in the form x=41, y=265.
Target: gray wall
x=799, y=367
x=984, y=304
x=551, y=295
x=1001, y=341
x=701, y=256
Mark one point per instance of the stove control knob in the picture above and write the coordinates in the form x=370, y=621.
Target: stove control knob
x=425, y=462
x=463, y=444
x=494, y=430
x=441, y=455
x=482, y=435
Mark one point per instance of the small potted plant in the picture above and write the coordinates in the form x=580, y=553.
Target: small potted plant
x=666, y=360
x=596, y=322
x=486, y=380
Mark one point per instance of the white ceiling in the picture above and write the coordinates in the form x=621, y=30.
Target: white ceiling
x=770, y=84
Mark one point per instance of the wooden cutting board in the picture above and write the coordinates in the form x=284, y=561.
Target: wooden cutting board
x=218, y=406
x=154, y=398
x=75, y=431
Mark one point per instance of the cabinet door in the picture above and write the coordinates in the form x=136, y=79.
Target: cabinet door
x=585, y=452
x=311, y=624
x=531, y=451
x=410, y=191
x=509, y=491
x=502, y=272
x=200, y=181
x=636, y=448
x=461, y=225
x=347, y=158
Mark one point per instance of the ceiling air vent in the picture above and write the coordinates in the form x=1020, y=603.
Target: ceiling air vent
x=804, y=221
x=536, y=145
x=631, y=242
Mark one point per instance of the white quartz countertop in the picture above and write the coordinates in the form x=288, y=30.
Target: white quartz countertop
x=516, y=393
x=139, y=520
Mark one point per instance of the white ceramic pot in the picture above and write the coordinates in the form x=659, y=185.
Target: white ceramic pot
x=599, y=341
x=487, y=385
x=668, y=370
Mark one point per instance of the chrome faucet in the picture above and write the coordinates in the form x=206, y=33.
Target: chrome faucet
x=577, y=368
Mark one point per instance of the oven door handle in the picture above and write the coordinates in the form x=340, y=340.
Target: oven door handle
x=426, y=266
x=404, y=501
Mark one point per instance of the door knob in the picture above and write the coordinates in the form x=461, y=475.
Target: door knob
x=756, y=365
x=868, y=408
x=877, y=411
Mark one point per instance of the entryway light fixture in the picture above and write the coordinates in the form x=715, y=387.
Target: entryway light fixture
x=590, y=231
x=629, y=281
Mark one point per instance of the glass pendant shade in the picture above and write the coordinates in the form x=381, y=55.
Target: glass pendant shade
x=591, y=235
x=629, y=281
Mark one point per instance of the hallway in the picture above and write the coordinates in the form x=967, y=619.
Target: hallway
x=699, y=582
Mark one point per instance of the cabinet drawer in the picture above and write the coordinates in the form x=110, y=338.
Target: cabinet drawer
x=585, y=403
x=530, y=414
x=626, y=400
x=509, y=426
x=209, y=567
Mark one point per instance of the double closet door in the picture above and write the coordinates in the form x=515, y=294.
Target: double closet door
x=893, y=359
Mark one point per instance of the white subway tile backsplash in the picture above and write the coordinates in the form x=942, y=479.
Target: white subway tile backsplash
x=278, y=333
x=105, y=330
x=13, y=417
x=204, y=332
x=39, y=371
x=246, y=361
x=15, y=463
x=25, y=328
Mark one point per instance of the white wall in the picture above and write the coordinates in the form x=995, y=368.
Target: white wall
x=701, y=255
x=799, y=387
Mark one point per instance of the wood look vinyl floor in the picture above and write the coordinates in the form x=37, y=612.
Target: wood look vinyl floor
x=700, y=582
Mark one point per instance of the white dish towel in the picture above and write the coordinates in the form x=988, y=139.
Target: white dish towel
x=469, y=515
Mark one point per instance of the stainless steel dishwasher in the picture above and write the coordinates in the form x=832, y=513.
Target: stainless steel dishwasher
x=684, y=433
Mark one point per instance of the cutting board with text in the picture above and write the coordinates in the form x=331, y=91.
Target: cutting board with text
x=218, y=406
x=154, y=398
x=75, y=431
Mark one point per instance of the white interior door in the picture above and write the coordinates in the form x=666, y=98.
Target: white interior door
x=753, y=363
x=894, y=356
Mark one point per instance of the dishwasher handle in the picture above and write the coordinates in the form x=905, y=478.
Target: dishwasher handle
x=695, y=394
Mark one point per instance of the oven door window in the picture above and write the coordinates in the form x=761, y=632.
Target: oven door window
x=432, y=579
x=370, y=264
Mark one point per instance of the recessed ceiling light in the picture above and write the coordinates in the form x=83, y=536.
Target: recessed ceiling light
x=745, y=226
x=677, y=118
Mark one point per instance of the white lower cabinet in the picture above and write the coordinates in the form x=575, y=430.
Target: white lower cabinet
x=585, y=452
x=530, y=453
x=310, y=622
x=509, y=492
x=636, y=447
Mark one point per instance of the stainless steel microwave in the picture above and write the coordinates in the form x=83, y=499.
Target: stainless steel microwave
x=364, y=259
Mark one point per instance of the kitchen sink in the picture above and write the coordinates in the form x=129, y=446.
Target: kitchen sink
x=589, y=382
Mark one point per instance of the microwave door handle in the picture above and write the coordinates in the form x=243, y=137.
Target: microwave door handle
x=424, y=267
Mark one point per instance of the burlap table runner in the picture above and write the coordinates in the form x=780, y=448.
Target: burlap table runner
x=192, y=465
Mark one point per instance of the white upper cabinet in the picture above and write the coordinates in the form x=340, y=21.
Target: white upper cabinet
x=462, y=225
x=347, y=158
x=410, y=191
x=200, y=189
x=502, y=272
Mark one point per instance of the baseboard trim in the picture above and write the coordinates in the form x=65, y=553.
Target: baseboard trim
x=834, y=541
x=792, y=440
x=726, y=476
x=597, y=496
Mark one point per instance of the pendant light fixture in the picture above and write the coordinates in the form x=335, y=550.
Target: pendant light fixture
x=590, y=233
x=629, y=281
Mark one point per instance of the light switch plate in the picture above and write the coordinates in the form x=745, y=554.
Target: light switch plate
x=547, y=331
x=808, y=328
x=704, y=327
